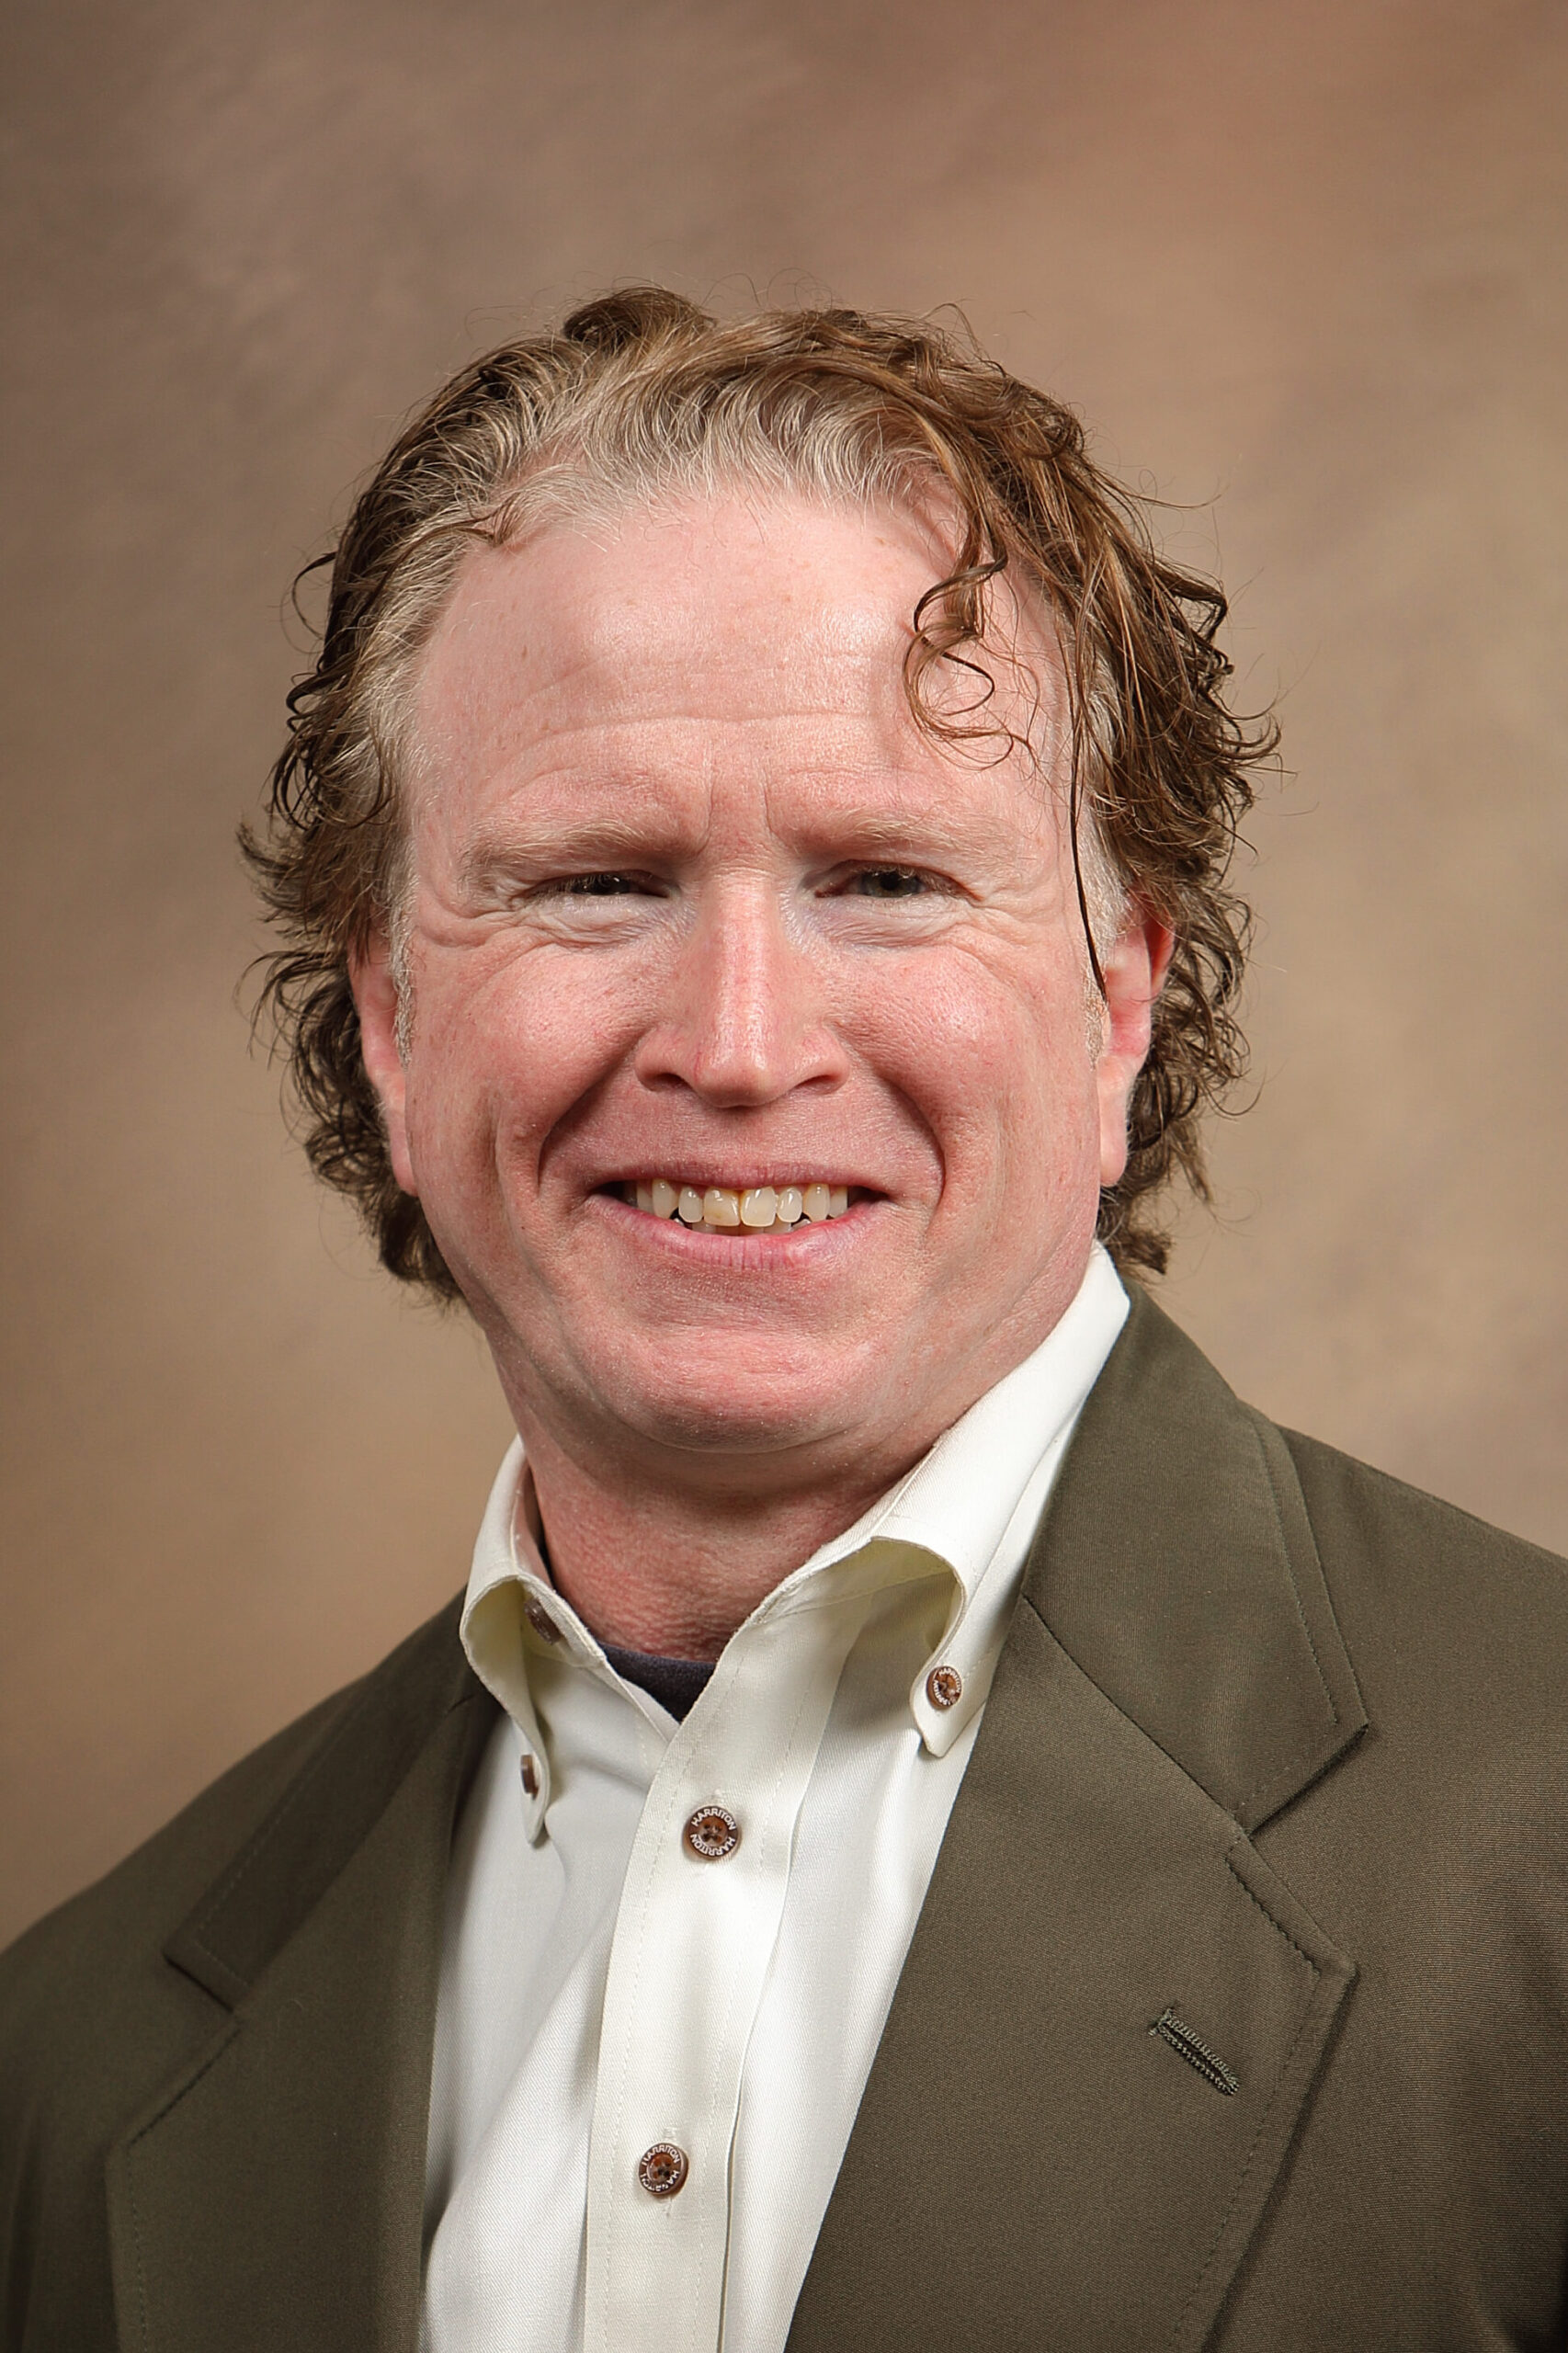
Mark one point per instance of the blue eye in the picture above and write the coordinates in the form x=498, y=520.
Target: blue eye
x=600, y=886
x=889, y=883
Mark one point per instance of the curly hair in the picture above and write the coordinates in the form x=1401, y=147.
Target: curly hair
x=641, y=394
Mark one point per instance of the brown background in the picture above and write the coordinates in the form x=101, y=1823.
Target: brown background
x=1303, y=266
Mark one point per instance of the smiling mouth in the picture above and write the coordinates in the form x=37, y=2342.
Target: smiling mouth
x=721, y=1209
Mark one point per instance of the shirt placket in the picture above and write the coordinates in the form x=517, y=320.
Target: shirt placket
x=699, y=1920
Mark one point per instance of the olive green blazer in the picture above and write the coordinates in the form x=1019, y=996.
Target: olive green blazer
x=1236, y=2015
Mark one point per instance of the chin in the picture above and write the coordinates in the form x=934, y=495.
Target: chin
x=742, y=1405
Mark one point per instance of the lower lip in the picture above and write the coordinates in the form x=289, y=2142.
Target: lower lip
x=749, y=1253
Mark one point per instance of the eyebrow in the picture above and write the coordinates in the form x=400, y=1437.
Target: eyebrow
x=892, y=832
x=866, y=827
x=495, y=850
x=494, y=857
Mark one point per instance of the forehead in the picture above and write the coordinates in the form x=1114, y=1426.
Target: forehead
x=729, y=631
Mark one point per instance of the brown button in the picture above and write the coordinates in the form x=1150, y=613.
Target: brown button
x=944, y=1687
x=531, y=1777
x=713, y=1833
x=541, y=1621
x=662, y=2169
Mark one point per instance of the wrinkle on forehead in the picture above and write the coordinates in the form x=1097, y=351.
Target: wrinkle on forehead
x=749, y=625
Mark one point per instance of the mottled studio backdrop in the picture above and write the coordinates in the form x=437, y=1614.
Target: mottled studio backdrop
x=1303, y=266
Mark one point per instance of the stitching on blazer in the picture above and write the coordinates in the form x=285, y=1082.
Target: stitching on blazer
x=1295, y=1588
x=1297, y=1756
x=1207, y=2264
x=1300, y=1755
x=262, y=1839
x=1188, y=2044
x=140, y=2262
x=153, y=2121
x=1299, y=1951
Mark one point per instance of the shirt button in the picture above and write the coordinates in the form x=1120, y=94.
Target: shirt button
x=662, y=2169
x=944, y=1687
x=531, y=1777
x=713, y=1833
x=541, y=1621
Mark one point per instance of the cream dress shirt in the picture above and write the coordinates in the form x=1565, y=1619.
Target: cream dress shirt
x=606, y=1993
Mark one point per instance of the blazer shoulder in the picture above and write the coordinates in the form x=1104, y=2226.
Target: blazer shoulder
x=1355, y=1507
x=1459, y=1631
x=143, y=1899
x=86, y=1992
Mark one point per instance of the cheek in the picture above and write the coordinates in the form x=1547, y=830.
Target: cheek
x=504, y=1047
x=994, y=1059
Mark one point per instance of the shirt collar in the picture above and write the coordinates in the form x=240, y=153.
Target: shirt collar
x=968, y=1505
x=974, y=1501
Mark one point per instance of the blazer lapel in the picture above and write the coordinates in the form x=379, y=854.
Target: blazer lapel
x=1112, y=2010
x=272, y=2194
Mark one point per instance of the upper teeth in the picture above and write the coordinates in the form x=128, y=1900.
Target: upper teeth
x=762, y=1209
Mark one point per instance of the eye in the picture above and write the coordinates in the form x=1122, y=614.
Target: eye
x=595, y=888
x=601, y=886
x=889, y=883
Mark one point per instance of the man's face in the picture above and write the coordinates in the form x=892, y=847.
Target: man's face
x=695, y=904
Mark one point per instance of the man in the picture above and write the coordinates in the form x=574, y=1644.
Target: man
x=932, y=1824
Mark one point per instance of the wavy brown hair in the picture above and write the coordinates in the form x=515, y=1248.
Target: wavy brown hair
x=642, y=394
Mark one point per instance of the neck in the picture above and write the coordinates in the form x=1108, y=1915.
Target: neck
x=676, y=1573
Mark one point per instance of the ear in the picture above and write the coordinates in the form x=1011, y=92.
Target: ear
x=1134, y=971
x=376, y=998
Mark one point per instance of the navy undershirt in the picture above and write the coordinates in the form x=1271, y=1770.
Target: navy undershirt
x=676, y=1683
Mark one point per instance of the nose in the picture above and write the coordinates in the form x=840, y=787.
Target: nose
x=743, y=1023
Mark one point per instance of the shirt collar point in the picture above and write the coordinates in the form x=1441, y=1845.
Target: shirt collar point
x=938, y=1733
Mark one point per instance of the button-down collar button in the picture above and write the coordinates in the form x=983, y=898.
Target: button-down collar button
x=713, y=1833
x=541, y=1621
x=944, y=1687
x=531, y=1777
x=662, y=2169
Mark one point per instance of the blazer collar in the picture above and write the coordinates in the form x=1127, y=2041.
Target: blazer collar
x=1176, y=1567
x=1036, y=2158
x=272, y=2193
